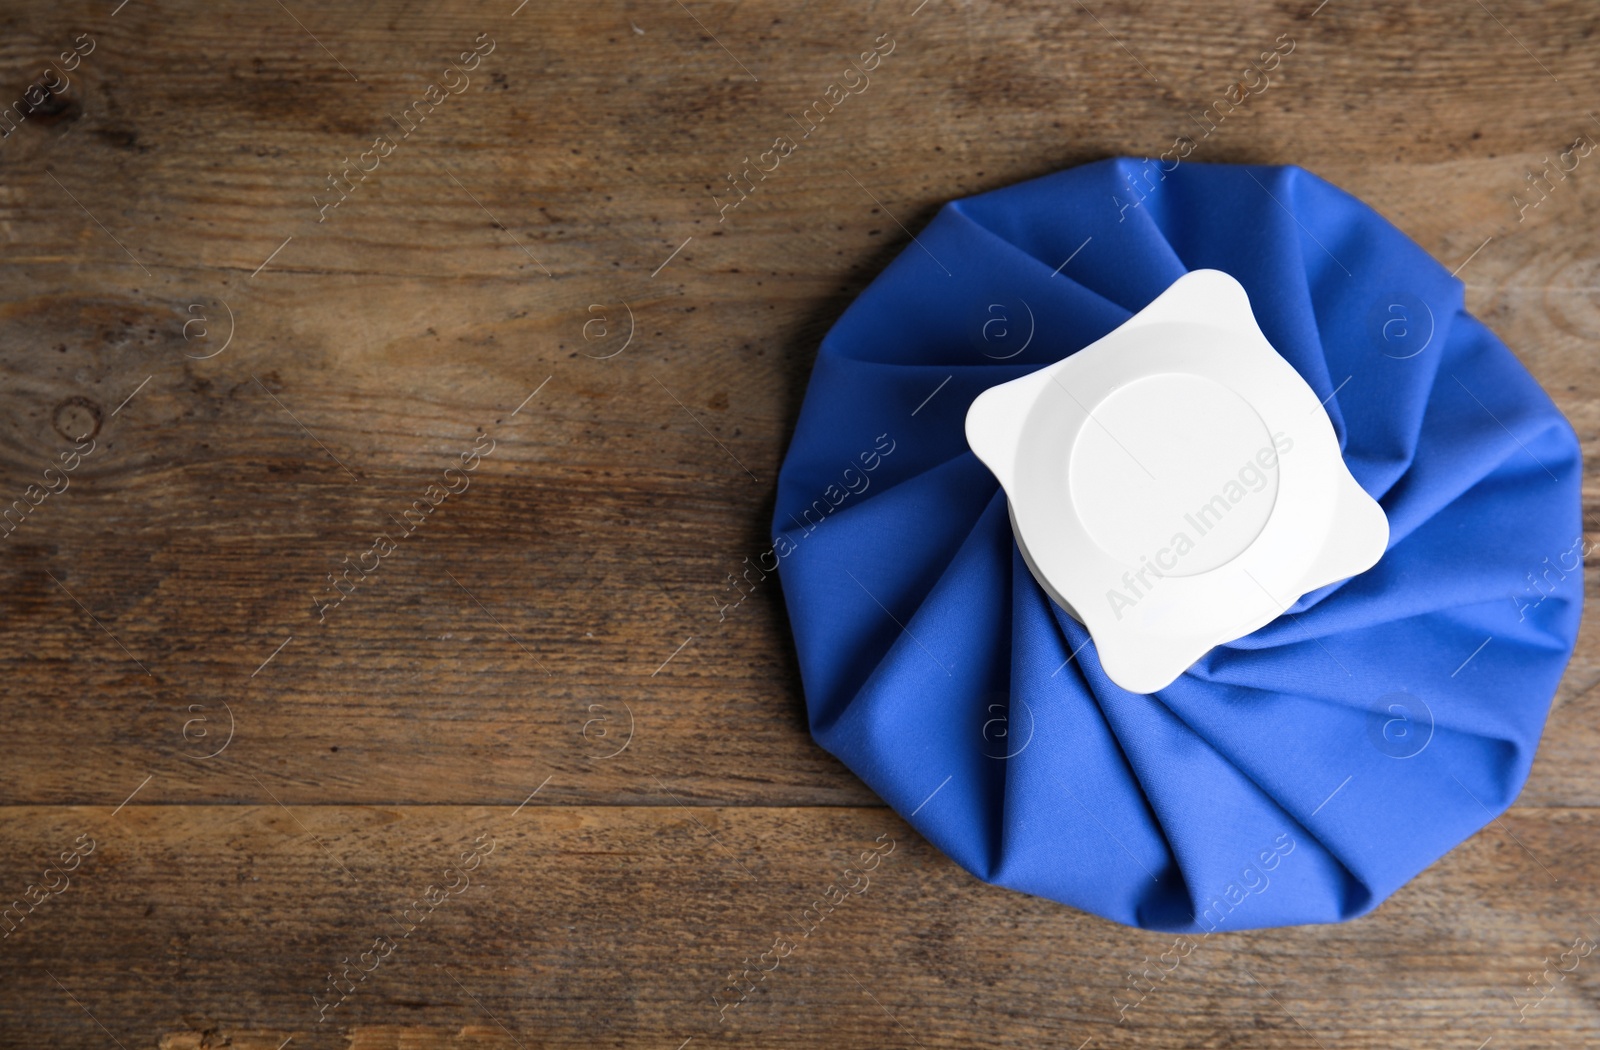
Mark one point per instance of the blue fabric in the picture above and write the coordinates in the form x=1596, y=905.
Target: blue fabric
x=1298, y=775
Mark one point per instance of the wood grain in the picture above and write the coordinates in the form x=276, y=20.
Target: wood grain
x=290, y=781
x=615, y=926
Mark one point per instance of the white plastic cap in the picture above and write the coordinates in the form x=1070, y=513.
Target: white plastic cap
x=1175, y=484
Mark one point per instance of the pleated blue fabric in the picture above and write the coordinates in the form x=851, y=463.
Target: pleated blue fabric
x=1301, y=774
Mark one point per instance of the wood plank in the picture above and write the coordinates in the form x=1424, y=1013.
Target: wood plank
x=614, y=926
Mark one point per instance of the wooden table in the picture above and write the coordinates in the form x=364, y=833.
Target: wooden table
x=262, y=774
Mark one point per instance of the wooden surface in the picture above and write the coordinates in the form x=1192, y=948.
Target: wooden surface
x=268, y=790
